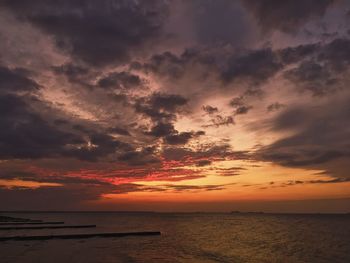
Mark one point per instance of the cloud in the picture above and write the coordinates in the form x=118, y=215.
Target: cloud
x=202, y=163
x=275, y=107
x=99, y=145
x=332, y=181
x=299, y=182
x=218, y=152
x=145, y=156
x=52, y=198
x=219, y=120
x=182, y=137
x=104, y=94
x=120, y=131
x=171, y=135
x=162, y=109
x=26, y=133
x=71, y=71
x=220, y=22
x=313, y=77
x=127, y=188
x=210, y=110
x=166, y=64
x=295, y=54
x=239, y=105
x=256, y=66
x=97, y=33
x=320, y=139
x=160, y=106
x=286, y=16
x=120, y=80
x=336, y=54
x=231, y=171
x=323, y=68
x=16, y=80
x=161, y=130
x=243, y=109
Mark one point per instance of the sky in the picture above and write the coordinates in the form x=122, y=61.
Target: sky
x=174, y=105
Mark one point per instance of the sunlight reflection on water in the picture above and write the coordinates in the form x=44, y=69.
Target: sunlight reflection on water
x=189, y=238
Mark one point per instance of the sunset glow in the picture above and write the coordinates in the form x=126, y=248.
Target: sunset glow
x=174, y=105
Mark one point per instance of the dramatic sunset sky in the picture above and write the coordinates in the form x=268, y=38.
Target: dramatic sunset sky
x=174, y=105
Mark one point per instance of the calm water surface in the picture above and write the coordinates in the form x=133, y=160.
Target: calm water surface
x=188, y=238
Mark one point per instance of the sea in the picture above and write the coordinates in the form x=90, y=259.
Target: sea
x=186, y=237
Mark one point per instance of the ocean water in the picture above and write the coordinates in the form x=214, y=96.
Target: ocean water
x=197, y=237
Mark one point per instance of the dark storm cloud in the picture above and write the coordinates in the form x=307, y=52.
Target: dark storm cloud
x=16, y=80
x=160, y=106
x=310, y=67
x=167, y=102
x=336, y=54
x=52, y=178
x=313, y=77
x=70, y=196
x=295, y=54
x=220, y=21
x=297, y=117
x=165, y=64
x=120, y=80
x=255, y=66
x=71, y=71
x=171, y=135
x=24, y=134
x=85, y=113
x=251, y=67
x=321, y=71
x=288, y=15
x=102, y=145
x=120, y=131
x=321, y=140
x=144, y=157
x=182, y=137
x=205, y=61
x=27, y=134
x=161, y=130
x=98, y=33
x=208, y=152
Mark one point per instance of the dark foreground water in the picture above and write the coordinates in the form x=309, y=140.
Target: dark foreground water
x=188, y=238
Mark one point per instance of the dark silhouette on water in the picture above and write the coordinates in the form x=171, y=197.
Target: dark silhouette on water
x=12, y=223
x=44, y=227
x=18, y=219
x=79, y=236
x=31, y=223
